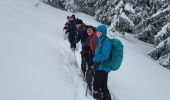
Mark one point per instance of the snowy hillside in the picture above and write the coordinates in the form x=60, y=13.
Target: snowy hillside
x=37, y=64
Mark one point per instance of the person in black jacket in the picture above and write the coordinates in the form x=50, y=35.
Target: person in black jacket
x=83, y=37
x=72, y=32
x=66, y=27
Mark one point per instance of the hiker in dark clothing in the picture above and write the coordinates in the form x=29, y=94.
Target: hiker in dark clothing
x=72, y=32
x=66, y=27
x=83, y=37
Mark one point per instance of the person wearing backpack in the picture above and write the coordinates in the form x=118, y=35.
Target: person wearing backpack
x=108, y=57
x=83, y=37
x=102, y=53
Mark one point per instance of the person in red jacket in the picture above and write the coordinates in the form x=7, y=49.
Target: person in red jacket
x=93, y=42
x=92, y=38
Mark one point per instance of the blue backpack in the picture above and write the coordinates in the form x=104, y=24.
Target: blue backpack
x=116, y=55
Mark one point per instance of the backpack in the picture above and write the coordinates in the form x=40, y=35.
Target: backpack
x=116, y=55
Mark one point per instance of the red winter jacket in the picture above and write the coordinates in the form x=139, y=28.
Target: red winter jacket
x=93, y=42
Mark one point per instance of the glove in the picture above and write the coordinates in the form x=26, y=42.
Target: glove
x=94, y=66
x=84, y=52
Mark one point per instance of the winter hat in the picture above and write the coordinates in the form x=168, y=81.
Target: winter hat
x=73, y=16
x=68, y=17
x=102, y=28
x=79, y=21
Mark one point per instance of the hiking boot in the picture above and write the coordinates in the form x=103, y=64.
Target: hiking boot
x=98, y=95
x=107, y=97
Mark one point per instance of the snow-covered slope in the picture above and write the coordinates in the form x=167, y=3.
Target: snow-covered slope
x=37, y=64
x=35, y=61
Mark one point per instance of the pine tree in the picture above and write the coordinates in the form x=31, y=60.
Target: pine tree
x=67, y=5
x=161, y=52
x=149, y=26
x=86, y=6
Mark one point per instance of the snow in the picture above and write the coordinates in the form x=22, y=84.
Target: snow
x=162, y=43
x=35, y=61
x=123, y=15
x=161, y=11
x=163, y=31
x=37, y=64
x=139, y=77
x=120, y=4
x=129, y=8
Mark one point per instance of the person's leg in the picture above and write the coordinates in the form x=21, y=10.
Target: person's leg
x=84, y=59
x=74, y=46
x=105, y=90
x=72, y=40
x=71, y=46
x=83, y=64
x=97, y=85
x=88, y=56
x=89, y=77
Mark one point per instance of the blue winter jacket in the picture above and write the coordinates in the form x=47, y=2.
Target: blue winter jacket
x=102, y=53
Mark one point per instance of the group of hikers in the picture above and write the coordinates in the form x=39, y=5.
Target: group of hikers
x=99, y=54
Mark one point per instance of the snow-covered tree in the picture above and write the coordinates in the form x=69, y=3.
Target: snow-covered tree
x=149, y=26
x=67, y=5
x=86, y=6
x=117, y=13
x=161, y=52
x=145, y=18
x=55, y=3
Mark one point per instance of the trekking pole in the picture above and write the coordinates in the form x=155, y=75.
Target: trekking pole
x=93, y=82
x=74, y=54
x=75, y=59
x=87, y=89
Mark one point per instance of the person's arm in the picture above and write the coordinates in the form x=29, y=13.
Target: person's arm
x=78, y=37
x=105, y=53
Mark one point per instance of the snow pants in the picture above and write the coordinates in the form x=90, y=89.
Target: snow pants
x=101, y=91
x=86, y=59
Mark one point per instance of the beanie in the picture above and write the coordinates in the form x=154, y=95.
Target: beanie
x=102, y=29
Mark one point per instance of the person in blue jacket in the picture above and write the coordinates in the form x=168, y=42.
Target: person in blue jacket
x=102, y=53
